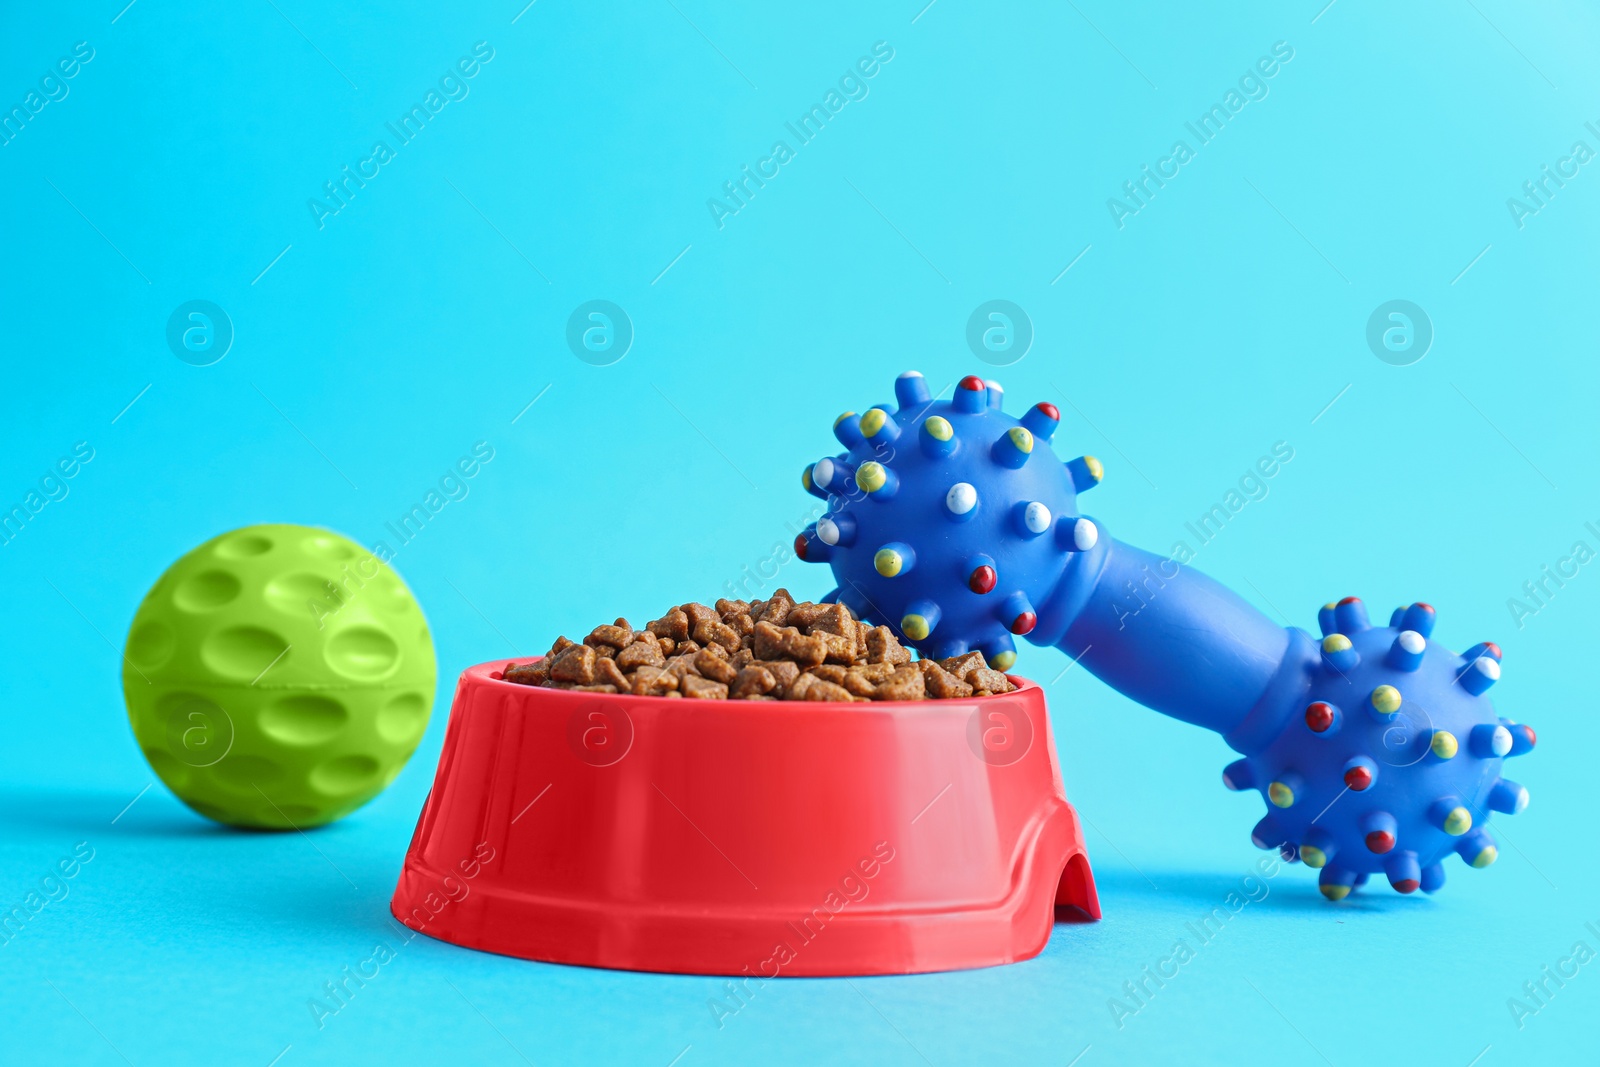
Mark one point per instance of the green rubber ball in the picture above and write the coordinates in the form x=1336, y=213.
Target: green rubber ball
x=278, y=677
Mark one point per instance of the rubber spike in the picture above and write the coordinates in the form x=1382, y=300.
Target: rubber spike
x=961, y=502
x=911, y=390
x=1018, y=615
x=1285, y=789
x=810, y=485
x=1433, y=878
x=981, y=574
x=937, y=438
x=1267, y=835
x=1351, y=615
x=1443, y=745
x=834, y=475
x=1508, y=797
x=809, y=548
x=1406, y=652
x=879, y=429
x=970, y=396
x=1041, y=420
x=1336, y=882
x=1318, y=849
x=1523, y=739
x=1383, y=702
x=1488, y=740
x=1339, y=654
x=894, y=559
x=1012, y=448
x=920, y=620
x=1478, y=849
x=1359, y=773
x=1450, y=815
x=1086, y=473
x=847, y=428
x=1325, y=620
x=1403, y=872
x=1421, y=618
x=1076, y=535
x=1479, y=674
x=1323, y=718
x=1032, y=518
x=945, y=648
x=1001, y=652
x=1239, y=775
x=1378, y=831
x=877, y=481
x=838, y=529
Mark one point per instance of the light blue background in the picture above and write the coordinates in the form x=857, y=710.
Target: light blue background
x=1224, y=317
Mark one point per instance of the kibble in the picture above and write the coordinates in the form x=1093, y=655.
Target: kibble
x=606, y=672
x=773, y=649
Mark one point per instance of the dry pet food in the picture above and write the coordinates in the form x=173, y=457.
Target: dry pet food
x=772, y=649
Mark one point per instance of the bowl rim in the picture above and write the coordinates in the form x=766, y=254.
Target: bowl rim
x=492, y=671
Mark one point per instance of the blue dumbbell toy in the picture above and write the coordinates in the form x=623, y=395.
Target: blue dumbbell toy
x=1376, y=749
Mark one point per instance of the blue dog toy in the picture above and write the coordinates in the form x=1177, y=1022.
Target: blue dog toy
x=1376, y=749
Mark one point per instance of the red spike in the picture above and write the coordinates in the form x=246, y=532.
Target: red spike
x=800, y=547
x=1380, y=841
x=1049, y=409
x=1533, y=738
x=1024, y=623
x=1406, y=885
x=1493, y=649
x=981, y=580
x=1358, y=778
x=1319, y=716
x=972, y=383
x=1351, y=600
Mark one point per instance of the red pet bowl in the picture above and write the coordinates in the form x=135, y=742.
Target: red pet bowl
x=712, y=837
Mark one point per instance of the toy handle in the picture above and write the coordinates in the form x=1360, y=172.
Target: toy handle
x=1178, y=641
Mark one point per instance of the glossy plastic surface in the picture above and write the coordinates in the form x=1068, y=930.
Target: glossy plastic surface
x=736, y=838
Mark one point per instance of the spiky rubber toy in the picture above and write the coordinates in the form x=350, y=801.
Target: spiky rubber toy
x=1376, y=749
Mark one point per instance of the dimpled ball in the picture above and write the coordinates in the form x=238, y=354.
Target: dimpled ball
x=278, y=677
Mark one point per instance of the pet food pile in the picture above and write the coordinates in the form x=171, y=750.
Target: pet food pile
x=760, y=650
